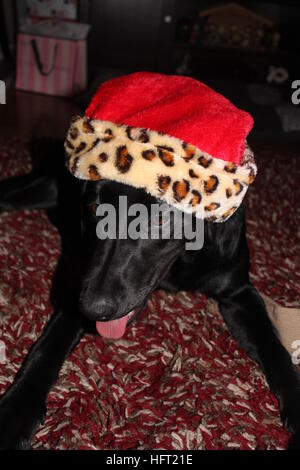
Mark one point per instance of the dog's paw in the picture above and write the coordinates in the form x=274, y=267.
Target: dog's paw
x=18, y=423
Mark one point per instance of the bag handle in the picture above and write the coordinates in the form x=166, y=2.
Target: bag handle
x=38, y=59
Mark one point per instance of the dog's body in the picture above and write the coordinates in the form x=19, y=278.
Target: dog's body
x=91, y=272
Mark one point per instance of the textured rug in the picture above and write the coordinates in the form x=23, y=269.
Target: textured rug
x=177, y=379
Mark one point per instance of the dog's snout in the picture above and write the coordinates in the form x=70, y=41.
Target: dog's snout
x=97, y=308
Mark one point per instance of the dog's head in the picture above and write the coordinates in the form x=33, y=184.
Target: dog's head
x=119, y=271
x=145, y=130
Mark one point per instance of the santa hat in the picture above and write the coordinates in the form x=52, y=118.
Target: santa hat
x=173, y=136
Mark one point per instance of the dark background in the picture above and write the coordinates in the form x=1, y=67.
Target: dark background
x=159, y=35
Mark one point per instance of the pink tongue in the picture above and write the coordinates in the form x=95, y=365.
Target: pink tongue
x=114, y=329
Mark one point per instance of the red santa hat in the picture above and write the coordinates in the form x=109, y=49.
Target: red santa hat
x=173, y=136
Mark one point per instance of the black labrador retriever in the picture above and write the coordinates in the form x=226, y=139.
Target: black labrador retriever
x=99, y=280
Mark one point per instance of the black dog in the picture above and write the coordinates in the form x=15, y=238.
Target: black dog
x=90, y=273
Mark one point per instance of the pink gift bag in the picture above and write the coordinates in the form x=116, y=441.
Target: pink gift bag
x=50, y=65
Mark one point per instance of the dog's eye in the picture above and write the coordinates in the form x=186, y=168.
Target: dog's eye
x=157, y=220
x=162, y=217
x=94, y=208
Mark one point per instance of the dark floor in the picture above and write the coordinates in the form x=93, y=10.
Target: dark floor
x=29, y=115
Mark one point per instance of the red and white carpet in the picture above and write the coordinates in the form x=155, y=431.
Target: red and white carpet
x=177, y=379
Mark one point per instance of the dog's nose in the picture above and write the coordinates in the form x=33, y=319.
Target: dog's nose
x=104, y=308
x=103, y=318
x=97, y=309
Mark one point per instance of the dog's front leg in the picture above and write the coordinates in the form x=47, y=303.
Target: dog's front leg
x=23, y=406
x=246, y=316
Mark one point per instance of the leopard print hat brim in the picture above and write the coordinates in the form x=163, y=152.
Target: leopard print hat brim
x=166, y=167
